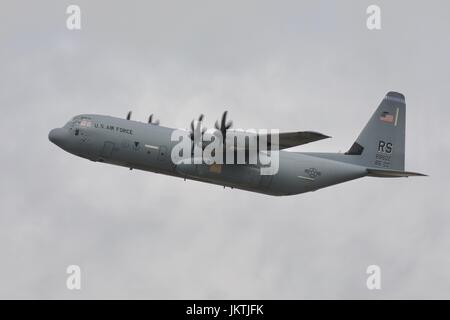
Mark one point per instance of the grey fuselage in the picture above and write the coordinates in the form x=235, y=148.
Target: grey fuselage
x=148, y=147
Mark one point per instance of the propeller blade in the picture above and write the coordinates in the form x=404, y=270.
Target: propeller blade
x=197, y=128
x=129, y=115
x=199, y=123
x=224, y=120
x=150, y=120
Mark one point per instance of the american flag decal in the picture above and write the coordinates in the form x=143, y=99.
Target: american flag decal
x=387, y=117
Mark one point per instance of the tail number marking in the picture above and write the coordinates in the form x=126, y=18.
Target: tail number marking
x=383, y=156
x=384, y=147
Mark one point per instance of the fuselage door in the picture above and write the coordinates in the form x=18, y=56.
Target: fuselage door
x=107, y=150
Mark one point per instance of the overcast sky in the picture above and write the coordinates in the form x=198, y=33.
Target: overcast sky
x=290, y=65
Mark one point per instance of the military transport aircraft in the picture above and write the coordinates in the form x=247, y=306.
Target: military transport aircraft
x=379, y=151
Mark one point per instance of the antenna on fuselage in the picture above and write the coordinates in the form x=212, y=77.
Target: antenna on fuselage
x=129, y=115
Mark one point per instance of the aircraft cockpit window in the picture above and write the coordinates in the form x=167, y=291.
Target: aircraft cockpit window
x=85, y=123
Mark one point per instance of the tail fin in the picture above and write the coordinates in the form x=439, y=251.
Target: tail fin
x=381, y=144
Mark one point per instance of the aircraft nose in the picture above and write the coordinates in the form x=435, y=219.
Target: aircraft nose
x=56, y=136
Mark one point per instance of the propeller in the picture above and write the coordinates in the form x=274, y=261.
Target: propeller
x=150, y=120
x=129, y=115
x=224, y=125
x=197, y=129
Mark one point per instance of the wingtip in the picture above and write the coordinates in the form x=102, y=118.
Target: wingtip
x=324, y=136
x=318, y=134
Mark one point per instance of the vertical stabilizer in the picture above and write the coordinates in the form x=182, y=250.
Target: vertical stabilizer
x=381, y=144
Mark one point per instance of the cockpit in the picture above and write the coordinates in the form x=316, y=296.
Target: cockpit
x=78, y=122
x=75, y=135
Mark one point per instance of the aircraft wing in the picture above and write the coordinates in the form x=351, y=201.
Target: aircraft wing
x=292, y=139
x=285, y=139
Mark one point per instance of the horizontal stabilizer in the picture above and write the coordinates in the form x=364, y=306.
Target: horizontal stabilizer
x=392, y=173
